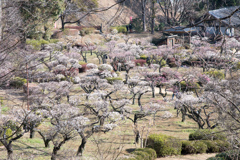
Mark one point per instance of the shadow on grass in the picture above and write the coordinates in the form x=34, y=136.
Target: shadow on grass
x=20, y=148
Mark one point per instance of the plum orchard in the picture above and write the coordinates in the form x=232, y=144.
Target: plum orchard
x=102, y=100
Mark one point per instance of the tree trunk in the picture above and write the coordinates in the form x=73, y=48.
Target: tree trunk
x=62, y=21
x=139, y=101
x=32, y=133
x=133, y=102
x=153, y=91
x=82, y=146
x=153, y=17
x=9, y=151
x=54, y=153
x=144, y=14
x=46, y=143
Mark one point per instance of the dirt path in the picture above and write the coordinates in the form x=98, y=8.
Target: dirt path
x=189, y=157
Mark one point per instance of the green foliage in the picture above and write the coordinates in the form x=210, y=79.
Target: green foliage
x=7, y=134
x=151, y=152
x=189, y=86
x=36, y=43
x=143, y=56
x=53, y=40
x=140, y=155
x=5, y=109
x=112, y=79
x=164, y=145
x=159, y=27
x=82, y=62
x=18, y=82
x=229, y=155
x=215, y=74
x=120, y=29
x=137, y=24
x=163, y=63
x=37, y=14
x=207, y=134
x=193, y=147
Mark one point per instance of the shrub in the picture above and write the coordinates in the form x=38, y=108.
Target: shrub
x=223, y=145
x=216, y=74
x=143, y=57
x=152, y=153
x=189, y=86
x=164, y=145
x=36, y=43
x=120, y=29
x=53, y=40
x=17, y=82
x=140, y=155
x=229, y=155
x=112, y=79
x=193, y=147
x=207, y=134
x=212, y=147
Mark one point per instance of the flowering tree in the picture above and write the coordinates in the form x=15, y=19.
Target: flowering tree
x=223, y=95
x=14, y=127
x=195, y=109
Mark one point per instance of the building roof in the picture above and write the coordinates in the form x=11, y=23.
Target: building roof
x=179, y=29
x=234, y=20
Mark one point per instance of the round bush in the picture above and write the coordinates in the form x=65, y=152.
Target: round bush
x=200, y=147
x=164, y=145
x=211, y=146
x=193, y=147
x=142, y=155
x=152, y=153
x=207, y=134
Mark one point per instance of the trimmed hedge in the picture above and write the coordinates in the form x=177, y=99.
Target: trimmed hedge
x=193, y=147
x=152, y=153
x=207, y=134
x=228, y=155
x=212, y=147
x=164, y=145
x=142, y=154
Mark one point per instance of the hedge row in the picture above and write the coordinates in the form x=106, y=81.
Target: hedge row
x=207, y=134
x=228, y=155
x=204, y=146
x=201, y=141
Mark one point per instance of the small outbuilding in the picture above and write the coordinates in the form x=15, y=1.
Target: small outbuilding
x=221, y=21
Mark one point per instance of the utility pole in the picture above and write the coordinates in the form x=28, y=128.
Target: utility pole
x=1, y=19
x=27, y=87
